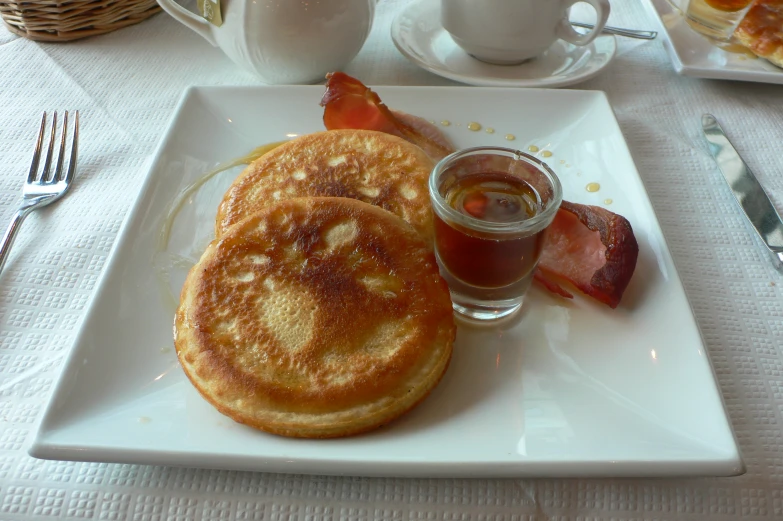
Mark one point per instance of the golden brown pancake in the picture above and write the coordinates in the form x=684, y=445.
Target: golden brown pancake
x=370, y=166
x=315, y=317
x=761, y=30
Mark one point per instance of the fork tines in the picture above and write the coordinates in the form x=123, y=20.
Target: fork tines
x=58, y=175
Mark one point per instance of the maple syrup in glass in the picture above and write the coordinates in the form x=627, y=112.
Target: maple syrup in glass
x=716, y=19
x=492, y=207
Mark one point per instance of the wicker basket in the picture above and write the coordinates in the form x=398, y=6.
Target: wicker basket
x=64, y=20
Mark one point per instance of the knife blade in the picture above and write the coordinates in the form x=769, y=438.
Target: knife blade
x=748, y=192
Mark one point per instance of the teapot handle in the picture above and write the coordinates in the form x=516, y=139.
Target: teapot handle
x=182, y=15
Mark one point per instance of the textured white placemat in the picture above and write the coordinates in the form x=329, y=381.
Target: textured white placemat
x=126, y=85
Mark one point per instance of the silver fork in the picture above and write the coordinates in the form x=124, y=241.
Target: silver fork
x=45, y=189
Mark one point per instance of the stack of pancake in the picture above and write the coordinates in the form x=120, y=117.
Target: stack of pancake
x=318, y=310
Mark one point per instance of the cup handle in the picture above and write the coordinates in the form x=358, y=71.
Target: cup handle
x=187, y=18
x=566, y=32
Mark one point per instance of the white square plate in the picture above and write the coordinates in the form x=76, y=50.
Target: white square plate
x=694, y=55
x=574, y=388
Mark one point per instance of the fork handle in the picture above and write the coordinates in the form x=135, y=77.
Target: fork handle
x=10, y=234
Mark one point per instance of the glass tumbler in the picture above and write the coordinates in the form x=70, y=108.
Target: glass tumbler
x=492, y=207
x=716, y=19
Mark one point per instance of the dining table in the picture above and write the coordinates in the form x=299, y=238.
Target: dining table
x=126, y=85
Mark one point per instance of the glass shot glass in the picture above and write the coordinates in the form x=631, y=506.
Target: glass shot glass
x=716, y=19
x=491, y=208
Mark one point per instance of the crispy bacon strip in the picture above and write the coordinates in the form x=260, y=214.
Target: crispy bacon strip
x=588, y=246
x=348, y=103
x=554, y=287
x=593, y=249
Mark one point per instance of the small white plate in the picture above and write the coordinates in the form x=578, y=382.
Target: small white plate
x=694, y=55
x=420, y=37
x=573, y=388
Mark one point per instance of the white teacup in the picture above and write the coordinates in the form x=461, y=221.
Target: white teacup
x=508, y=32
x=285, y=41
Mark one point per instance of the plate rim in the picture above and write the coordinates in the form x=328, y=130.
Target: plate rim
x=395, y=31
x=732, y=464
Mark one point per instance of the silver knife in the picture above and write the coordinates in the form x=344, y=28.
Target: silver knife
x=746, y=189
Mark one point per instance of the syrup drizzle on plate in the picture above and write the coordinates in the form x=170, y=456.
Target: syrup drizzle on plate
x=164, y=260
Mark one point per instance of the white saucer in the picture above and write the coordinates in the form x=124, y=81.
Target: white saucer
x=419, y=36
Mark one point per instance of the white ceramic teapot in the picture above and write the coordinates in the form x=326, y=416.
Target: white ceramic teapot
x=285, y=41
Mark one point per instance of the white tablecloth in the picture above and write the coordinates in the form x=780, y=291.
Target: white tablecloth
x=126, y=85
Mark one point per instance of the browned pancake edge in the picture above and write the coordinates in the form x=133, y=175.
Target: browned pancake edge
x=315, y=317
x=374, y=167
x=761, y=30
